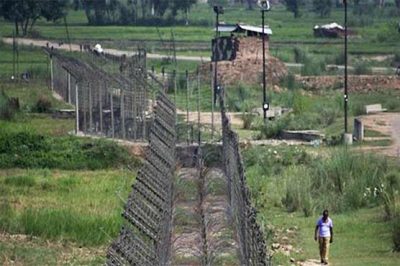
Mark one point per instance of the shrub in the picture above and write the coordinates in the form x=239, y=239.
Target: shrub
x=396, y=234
x=312, y=67
x=396, y=60
x=8, y=106
x=271, y=129
x=362, y=68
x=289, y=81
x=248, y=119
x=43, y=105
x=300, y=56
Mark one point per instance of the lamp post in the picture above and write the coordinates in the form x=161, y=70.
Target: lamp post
x=264, y=5
x=346, y=96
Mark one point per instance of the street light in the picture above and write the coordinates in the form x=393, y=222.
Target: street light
x=265, y=6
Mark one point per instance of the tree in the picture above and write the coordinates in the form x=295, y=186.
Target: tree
x=294, y=6
x=322, y=7
x=100, y=12
x=183, y=5
x=25, y=13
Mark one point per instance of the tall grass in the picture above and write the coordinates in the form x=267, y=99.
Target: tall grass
x=54, y=224
x=81, y=207
x=338, y=181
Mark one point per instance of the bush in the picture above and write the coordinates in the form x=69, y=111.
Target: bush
x=289, y=81
x=8, y=106
x=248, y=119
x=43, y=105
x=396, y=234
x=312, y=67
x=300, y=56
x=396, y=60
x=362, y=68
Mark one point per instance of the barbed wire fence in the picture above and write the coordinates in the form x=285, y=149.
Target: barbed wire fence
x=116, y=97
x=196, y=112
x=145, y=239
x=252, y=245
x=107, y=102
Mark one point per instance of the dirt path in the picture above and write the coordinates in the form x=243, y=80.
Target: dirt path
x=206, y=118
x=76, y=47
x=202, y=233
x=386, y=124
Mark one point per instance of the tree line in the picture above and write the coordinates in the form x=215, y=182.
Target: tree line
x=25, y=13
x=324, y=7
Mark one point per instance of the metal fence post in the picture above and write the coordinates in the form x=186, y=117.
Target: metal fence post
x=76, y=109
x=187, y=106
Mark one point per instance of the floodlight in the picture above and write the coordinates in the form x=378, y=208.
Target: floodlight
x=264, y=5
x=218, y=9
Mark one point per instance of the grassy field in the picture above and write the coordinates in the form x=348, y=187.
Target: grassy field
x=361, y=237
x=60, y=196
x=68, y=209
x=292, y=185
x=288, y=31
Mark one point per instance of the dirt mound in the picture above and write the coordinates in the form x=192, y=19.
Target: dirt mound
x=248, y=66
x=356, y=83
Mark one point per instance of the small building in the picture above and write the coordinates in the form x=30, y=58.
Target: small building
x=247, y=30
x=332, y=30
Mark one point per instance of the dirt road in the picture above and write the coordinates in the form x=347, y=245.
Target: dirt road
x=76, y=47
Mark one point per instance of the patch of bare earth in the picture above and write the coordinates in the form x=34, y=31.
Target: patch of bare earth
x=386, y=124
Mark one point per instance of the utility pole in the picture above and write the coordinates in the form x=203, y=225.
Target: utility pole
x=346, y=96
x=218, y=10
x=264, y=7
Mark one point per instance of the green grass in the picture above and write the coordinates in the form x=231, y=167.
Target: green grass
x=39, y=252
x=29, y=150
x=30, y=59
x=42, y=124
x=278, y=176
x=79, y=206
x=361, y=237
x=29, y=94
x=287, y=30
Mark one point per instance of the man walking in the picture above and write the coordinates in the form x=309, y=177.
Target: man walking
x=324, y=235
